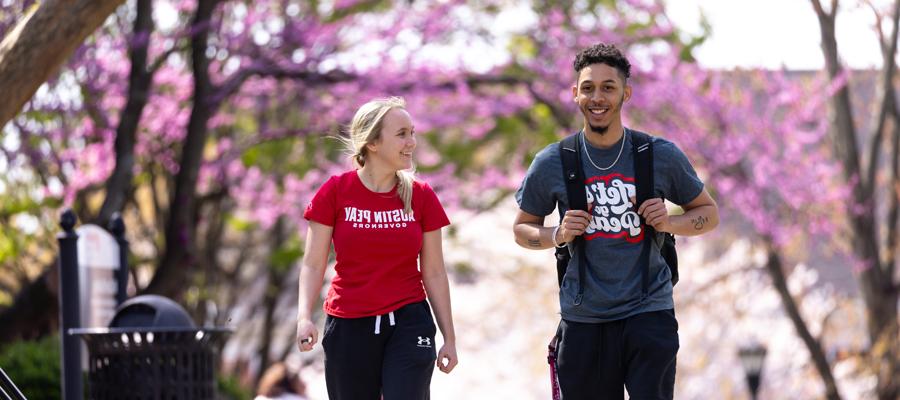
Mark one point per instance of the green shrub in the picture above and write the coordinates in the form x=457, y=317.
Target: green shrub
x=231, y=389
x=34, y=367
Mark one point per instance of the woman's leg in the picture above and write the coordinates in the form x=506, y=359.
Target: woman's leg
x=410, y=354
x=353, y=358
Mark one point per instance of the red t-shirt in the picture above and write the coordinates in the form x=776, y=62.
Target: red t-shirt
x=377, y=246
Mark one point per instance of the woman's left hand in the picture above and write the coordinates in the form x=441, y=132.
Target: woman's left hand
x=446, y=358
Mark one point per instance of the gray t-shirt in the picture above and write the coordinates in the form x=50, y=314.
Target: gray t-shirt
x=612, y=287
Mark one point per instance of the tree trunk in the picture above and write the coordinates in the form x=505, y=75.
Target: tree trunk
x=180, y=255
x=274, y=287
x=118, y=186
x=877, y=285
x=776, y=272
x=42, y=41
x=35, y=310
x=28, y=317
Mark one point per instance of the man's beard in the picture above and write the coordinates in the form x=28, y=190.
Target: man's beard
x=601, y=130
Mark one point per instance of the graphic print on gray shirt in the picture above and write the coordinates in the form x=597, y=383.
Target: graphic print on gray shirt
x=612, y=287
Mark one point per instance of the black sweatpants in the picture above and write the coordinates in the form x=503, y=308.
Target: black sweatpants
x=597, y=359
x=391, y=355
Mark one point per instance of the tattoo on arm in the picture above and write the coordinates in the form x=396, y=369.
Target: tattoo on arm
x=534, y=243
x=699, y=222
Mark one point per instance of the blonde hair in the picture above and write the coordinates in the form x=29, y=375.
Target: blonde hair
x=365, y=128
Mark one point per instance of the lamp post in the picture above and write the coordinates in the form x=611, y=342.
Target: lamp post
x=752, y=358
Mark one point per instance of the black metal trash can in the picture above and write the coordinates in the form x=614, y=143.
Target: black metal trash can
x=151, y=351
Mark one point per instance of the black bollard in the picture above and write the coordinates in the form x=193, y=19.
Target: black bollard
x=69, y=307
x=117, y=227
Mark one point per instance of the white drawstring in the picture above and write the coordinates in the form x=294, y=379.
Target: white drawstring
x=378, y=322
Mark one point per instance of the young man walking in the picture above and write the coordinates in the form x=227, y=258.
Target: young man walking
x=618, y=330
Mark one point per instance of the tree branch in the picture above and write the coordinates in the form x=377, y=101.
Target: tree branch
x=35, y=158
x=846, y=150
x=560, y=116
x=159, y=216
x=776, y=272
x=266, y=69
x=818, y=7
x=886, y=98
x=42, y=41
x=233, y=275
x=158, y=63
x=180, y=249
x=879, y=20
x=274, y=287
x=119, y=184
x=893, y=198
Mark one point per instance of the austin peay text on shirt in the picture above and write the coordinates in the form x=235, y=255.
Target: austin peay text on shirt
x=613, y=215
x=372, y=219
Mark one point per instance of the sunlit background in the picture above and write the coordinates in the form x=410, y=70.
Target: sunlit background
x=214, y=178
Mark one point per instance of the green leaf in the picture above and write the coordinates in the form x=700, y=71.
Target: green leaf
x=361, y=7
x=287, y=255
x=523, y=46
x=238, y=224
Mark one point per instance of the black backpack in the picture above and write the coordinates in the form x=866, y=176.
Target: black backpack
x=573, y=175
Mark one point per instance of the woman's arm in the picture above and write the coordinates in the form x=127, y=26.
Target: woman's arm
x=312, y=274
x=434, y=276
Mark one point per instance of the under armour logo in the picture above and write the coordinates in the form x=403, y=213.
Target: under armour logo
x=424, y=342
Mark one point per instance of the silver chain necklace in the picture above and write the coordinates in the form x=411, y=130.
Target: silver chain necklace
x=588, y=154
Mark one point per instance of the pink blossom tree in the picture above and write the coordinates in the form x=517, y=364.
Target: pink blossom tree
x=188, y=116
x=872, y=209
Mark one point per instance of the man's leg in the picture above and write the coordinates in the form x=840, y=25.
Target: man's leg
x=651, y=346
x=353, y=357
x=590, y=361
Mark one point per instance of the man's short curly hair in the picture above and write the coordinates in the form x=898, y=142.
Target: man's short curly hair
x=602, y=53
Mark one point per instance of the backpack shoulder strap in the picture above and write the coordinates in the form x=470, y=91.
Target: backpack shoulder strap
x=573, y=176
x=642, y=149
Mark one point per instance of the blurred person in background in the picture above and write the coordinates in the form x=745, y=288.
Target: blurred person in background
x=279, y=382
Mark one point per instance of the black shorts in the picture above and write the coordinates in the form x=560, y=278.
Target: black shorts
x=600, y=360
x=391, y=355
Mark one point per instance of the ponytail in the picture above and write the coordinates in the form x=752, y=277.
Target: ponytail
x=404, y=189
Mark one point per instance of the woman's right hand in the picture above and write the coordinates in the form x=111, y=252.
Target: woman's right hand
x=307, y=334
